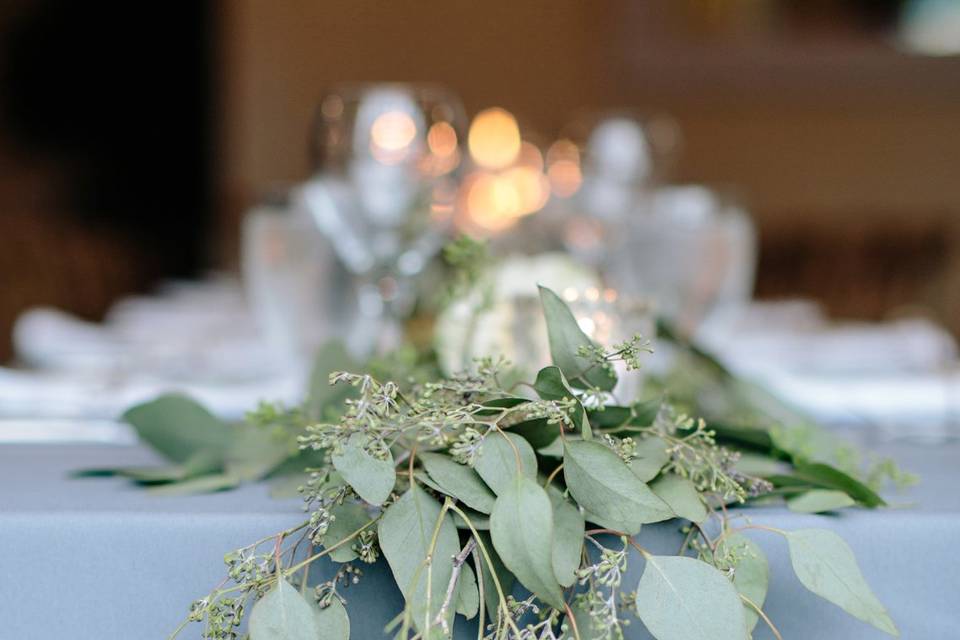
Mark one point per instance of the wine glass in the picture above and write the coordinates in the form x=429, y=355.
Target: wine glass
x=388, y=158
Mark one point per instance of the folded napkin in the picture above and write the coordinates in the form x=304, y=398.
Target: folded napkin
x=193, y=338
x=902, y=375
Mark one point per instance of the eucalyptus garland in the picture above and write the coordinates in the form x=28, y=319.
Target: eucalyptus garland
x=513, y=504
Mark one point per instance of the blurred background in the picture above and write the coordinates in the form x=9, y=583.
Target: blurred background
x=133, y=138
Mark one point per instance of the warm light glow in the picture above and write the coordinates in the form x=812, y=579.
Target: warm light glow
x=565, y=178
x=493, y=202
x=531, y=186
x=563, y=168
x=391, y=135
x=442, y=140
x=563, y=149
x=494, y=138
x=530, y=156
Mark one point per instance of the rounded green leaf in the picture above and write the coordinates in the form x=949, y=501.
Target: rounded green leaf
x=826, y=566
x=651, y=454
x=521, y=526
x=283, y=614
x=468, y=594
x=568, y=530
x=348, y=518
x=603, y=485
x=405, y=533
x=829, y=477
x=497, y=460
x=458, y=481
x=370, y=477
x=681, y=496
x=333, y=621
x=566, y=337
x=681, y=598
x=819, y=500
x=177, y=427
x=200, y=484
x=751, y=572
x=490, y=578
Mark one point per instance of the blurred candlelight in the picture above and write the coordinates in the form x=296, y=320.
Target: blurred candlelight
x=563, y=168
x=494, y=138
x=390, y=136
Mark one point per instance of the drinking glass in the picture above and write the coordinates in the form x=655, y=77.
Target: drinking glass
x=388, y=158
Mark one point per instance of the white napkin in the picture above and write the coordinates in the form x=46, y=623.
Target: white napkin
x=902, y=375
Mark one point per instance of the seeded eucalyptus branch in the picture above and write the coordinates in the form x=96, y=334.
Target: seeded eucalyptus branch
x=520, y=507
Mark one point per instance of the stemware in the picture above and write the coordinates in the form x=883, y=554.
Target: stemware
x=387, y=169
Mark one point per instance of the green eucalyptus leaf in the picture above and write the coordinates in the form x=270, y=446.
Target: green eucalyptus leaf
x=826, y=566
x=681, y=496
x=497, y=460
x=490, y=579
x=283, y=614
x=759, y=465
x=651, y=455
x=539, y=432
x=603, y=484
x=552, y=450
x=609, y=417
x=496, y=404
x=348, y=518
x=324, y=401
x=200, y=463
x=150, y=475
x=332, y=620
x=819, y=500
x=405, y=533
x=551, y=385
x=255, y=452
x=373, y=479
x=751, y=575
x=645, y=412
x=681, y=598
x=458, y=481
x=480, y=521
x=199, y=484
x=830, y=477
x=566, y=337
x=179, y=427
x=522, y=529
x=468, y=594
x=568, y=530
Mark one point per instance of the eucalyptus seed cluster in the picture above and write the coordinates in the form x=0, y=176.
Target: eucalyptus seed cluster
x=223, y=616
x=247, y=566
x=436, y=413
x=695, y=454
x=466, y=448
x=629, y=352
x=522, y=628
x=600, y=600
x=365, y=546
x=626, y=448
x=346, y=576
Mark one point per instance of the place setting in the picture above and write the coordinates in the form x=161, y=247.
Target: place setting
x=449, y=369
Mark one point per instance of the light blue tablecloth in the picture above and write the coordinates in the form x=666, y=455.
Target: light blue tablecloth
x=96, y=559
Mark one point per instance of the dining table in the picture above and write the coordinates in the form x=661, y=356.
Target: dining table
x=98, y=558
